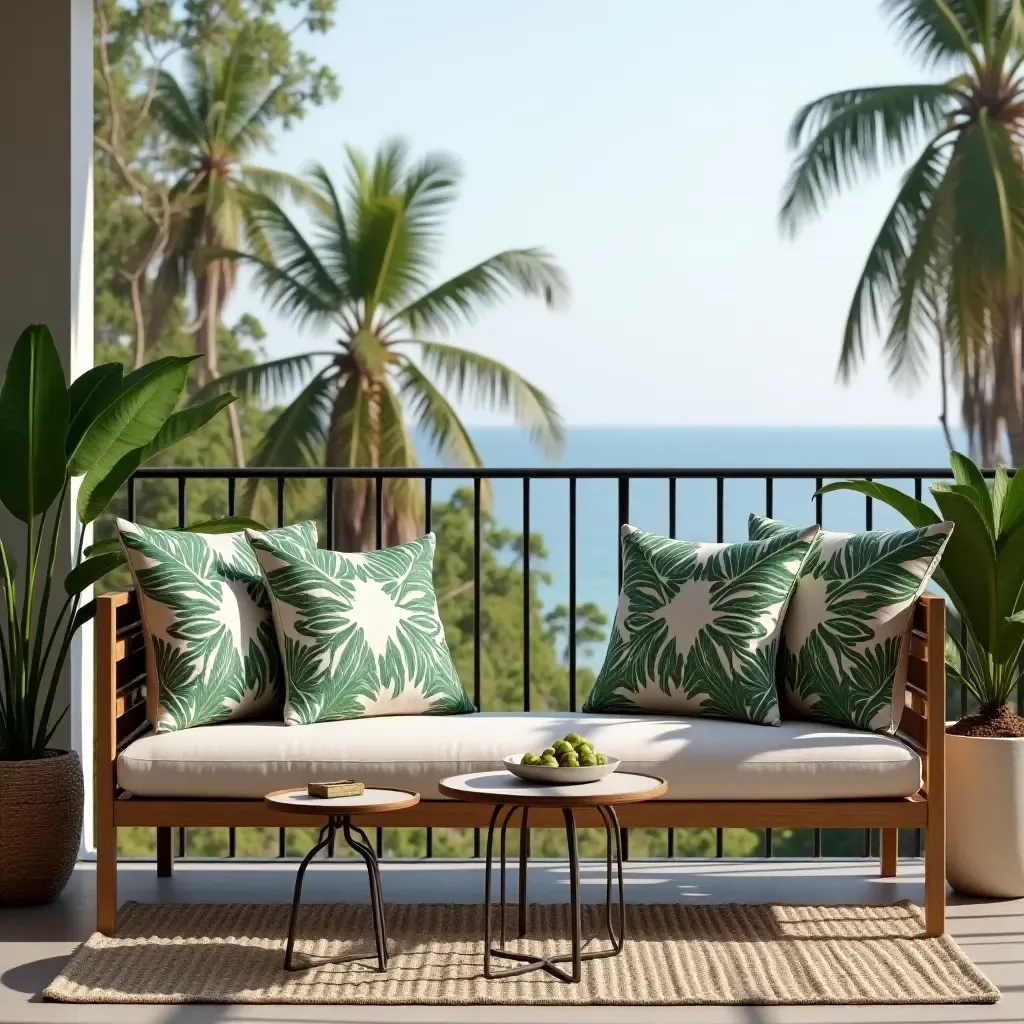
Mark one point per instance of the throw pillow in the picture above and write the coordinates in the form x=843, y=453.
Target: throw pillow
x=697, y=627
x=843, y=642
x=360, y=634
x=208, y=623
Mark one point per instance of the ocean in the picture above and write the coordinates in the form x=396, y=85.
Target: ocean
x=680, y=448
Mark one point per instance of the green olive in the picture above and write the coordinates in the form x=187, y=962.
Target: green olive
x=530, y=759
x=601, y=759
x=584, y=748
x=548, y=752
x=562, y=747
x=569, y=761
x=587, y=760
x=549, y=762
x=574, y=739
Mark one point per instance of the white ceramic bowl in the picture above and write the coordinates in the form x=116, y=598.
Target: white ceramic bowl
x=559, y=776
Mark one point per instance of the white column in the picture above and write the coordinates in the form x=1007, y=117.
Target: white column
x=46, y=270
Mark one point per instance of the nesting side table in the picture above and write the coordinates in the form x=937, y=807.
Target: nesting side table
x=508, y=793
x=339, y=811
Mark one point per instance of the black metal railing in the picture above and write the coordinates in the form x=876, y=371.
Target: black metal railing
x=675, y=497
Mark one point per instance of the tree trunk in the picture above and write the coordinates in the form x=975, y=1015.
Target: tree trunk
x=355, y=499
x=209, y=364
x=1007, y=384
x=944, y=386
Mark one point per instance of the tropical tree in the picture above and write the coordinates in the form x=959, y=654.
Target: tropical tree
x=590, y=626
x=215, y=119
x=363, y=273
x=945, y=266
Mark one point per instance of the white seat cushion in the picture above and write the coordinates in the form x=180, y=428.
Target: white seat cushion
x=701, y=758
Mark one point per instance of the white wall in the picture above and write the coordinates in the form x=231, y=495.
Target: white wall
x=46, y=243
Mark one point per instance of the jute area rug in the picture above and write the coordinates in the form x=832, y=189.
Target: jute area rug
x=674, y=955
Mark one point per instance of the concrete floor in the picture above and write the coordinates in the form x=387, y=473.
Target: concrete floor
x=36, y=942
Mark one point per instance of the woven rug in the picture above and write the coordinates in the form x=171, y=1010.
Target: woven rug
x=674, y=954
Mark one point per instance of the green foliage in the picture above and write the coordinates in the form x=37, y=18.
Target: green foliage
x=139, y=162
x=981, y=571
x=945, y=265
x=362, y=273
x=50, y=434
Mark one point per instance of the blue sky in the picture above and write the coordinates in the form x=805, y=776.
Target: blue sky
x=644, y=144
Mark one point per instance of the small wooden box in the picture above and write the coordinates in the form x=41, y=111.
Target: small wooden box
x=329, y=790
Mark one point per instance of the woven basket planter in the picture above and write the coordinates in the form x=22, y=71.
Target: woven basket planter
x=40, y=826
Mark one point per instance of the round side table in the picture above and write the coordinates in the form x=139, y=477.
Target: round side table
x=339, y=811
x=508, y=793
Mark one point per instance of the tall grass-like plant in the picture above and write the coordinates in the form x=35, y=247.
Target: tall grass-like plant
x=99, y=430
x=982, y=571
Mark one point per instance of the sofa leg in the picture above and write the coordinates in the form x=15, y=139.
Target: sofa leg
x=935, y=882
x=164, y=852
x=106, y=881
x=890, y=851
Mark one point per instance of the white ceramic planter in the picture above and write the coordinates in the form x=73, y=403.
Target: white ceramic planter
x=985, y=815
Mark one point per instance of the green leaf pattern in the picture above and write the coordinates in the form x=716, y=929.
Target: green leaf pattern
x=697, y=627
x=360, y=633
x=842, y=640
x=208, y=616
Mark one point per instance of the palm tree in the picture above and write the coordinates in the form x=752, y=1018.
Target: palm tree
x=363, y=274
x=945, y=266
x=214, y=121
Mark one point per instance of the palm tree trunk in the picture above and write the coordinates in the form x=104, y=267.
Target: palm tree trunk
x=354, y=506
x=210, y=361
x=1015, y=405
x=944, y=386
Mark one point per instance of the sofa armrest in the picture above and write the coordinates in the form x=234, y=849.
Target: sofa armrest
x=121, y=683
x=923, y=723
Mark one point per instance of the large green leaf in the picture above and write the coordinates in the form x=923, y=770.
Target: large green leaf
x=33, y=425
x=133, y=420
x=1012, y=516
x=969, y=561
x=89, y=570
x=915, y=512
x=967, y=475
x=89, y=395
x=97, y=491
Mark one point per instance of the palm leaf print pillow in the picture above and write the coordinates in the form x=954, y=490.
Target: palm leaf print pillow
x=360, y=634
x=207, y=619
x=843, y=651
x=697, y=627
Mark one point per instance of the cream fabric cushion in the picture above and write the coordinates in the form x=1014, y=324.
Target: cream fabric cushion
x=701, y=758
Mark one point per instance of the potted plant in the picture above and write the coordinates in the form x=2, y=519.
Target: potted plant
x=99, y=431
x=982, y=573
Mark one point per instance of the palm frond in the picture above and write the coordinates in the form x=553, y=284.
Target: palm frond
x=881, y=279
x=174, y=112
x=529, y=272
x=432, y=414
x=853, y=133
x=331, y=223
x=988, y=196
x=267, y=181
x=470, y=376
x=940, y=31
x=296, y=437
x=267, y=381
x=295, y=280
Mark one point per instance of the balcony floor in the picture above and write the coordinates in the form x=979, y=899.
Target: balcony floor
x=36, y=942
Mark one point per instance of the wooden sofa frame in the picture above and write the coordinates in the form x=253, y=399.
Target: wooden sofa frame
x=121, y=675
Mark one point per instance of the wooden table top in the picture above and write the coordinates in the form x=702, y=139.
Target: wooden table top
x=370, y=801
x=502, y=787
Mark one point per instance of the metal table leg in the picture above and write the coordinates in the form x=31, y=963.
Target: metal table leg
x=362, y=847
x=576, y=956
